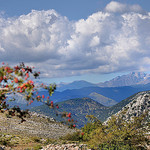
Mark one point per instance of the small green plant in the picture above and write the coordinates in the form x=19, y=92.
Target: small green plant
x=5, y=141
x=37, y=147
x=36, y=139
x=49, y=141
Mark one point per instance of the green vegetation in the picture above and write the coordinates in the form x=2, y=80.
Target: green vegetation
x=115, y=134
x=17, y=141
x=37, y=147
x=79, y=108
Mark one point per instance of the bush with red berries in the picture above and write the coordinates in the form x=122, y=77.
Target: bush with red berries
x=16, y=80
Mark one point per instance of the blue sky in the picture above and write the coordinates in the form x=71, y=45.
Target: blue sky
x=73, y=9
x=93, y=40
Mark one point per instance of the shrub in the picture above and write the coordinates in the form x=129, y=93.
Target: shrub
x=116, y=134
x=76, y=136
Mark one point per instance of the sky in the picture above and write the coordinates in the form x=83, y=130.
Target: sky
x=67, y=40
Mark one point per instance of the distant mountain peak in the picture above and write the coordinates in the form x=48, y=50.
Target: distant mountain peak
x=102, y=99
x=130, y=79
x=138, y=74
x=74, y=85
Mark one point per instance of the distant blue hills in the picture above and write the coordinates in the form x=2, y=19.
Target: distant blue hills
x=108, y=93
x=115, y=93
x=74, y=85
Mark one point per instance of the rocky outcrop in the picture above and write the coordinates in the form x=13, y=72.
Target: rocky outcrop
x=66, y=147
x=138, y=106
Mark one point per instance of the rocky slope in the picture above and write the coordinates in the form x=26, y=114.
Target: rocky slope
x=139, y=105
x=36, y=125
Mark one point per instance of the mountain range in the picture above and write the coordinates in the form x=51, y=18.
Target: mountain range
x=80, y=107
x=107, y=93
x=133, y=78
x=88, y=98
x=74, y=85
x=107, y=96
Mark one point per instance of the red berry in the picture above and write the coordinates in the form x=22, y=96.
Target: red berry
x=1, y=78
x=69, y=115
x=23, y=70
x=16, y=80
x=27, y=75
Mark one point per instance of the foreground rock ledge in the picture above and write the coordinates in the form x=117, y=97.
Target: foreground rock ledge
x=34, y=126
x=66, y=147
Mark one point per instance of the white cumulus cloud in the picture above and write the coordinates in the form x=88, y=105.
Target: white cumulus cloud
x=114, y=7
x=113, y=40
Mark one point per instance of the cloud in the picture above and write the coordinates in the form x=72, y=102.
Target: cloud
x=116, y=7
x=113, y=40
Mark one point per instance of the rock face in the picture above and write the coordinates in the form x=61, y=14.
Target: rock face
x=127, y=80
x=138, y=106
